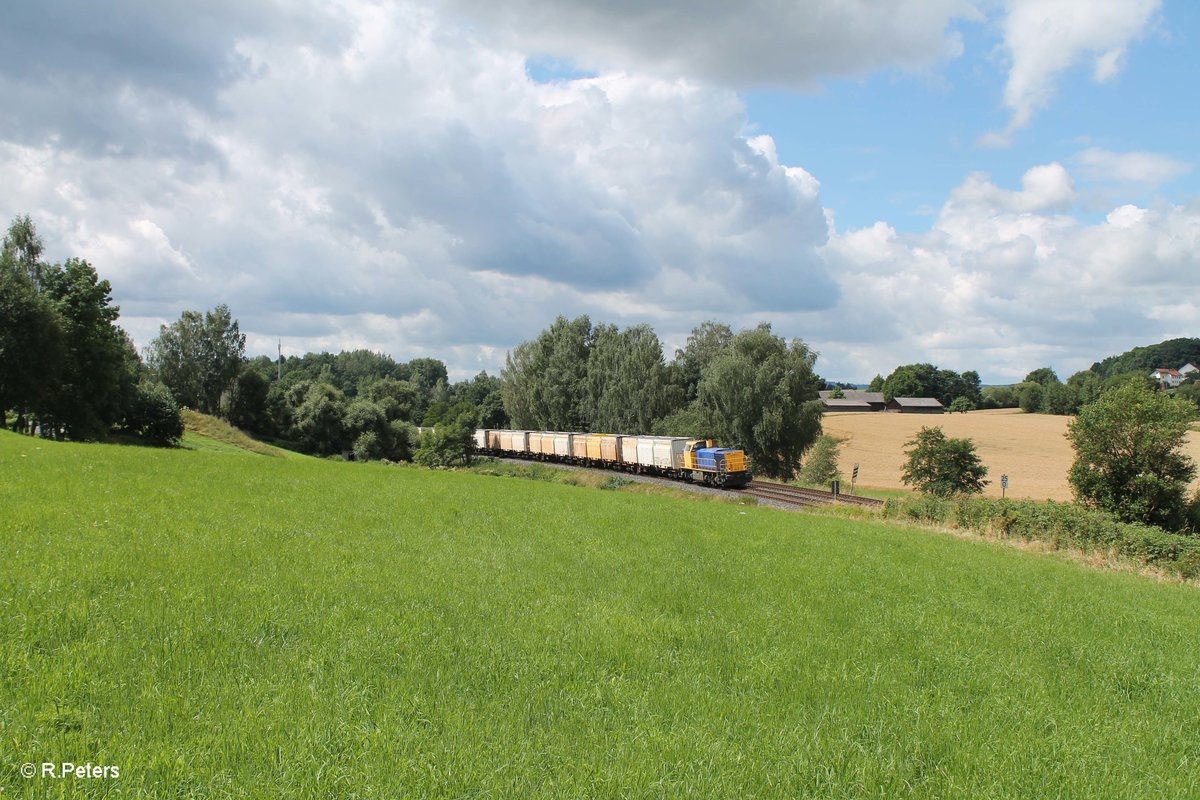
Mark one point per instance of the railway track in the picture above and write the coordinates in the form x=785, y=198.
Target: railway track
x=805, y=497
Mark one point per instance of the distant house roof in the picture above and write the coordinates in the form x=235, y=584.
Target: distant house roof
x=1163, y=371
x=846, y=404
x=917, y=402
x=854, y=394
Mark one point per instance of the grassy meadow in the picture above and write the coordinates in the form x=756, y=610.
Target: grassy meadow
x=234, y=625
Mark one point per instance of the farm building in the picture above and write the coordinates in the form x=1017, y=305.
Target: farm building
x=915, y=405
x=853, y=400
x=846, y=404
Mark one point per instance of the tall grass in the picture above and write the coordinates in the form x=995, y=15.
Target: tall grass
x=224, y=627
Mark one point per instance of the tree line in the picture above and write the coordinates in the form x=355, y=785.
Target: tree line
x=1040, y=392
x=358, y=401
x=752, y=389
x=67, y=371
x=926, y=380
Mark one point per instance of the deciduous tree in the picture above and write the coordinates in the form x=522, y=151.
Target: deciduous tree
x=625, y=379
x=1129, y=456
x=708, y=340
x=32, y=349
x=319, y=418
x=199, y=356
x=943, y=466
x=903, y=382
x=544, y=380
x=761, y=394
x=821, y=462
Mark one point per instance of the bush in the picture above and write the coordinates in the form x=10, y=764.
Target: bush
x=153, y=415
x=941, y=466
x=1060, y=399
x=998, y=397
x=1060, y=524
x=821, y=466
x=401, y=437
x=366, y=447
x=446, y=446
x=1029, y=397
x=961, y=405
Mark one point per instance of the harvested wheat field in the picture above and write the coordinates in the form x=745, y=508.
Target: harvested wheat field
x=1030, y=448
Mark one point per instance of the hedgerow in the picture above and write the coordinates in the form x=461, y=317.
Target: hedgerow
x=1064, y=525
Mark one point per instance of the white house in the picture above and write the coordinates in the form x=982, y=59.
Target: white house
x=1188, y=369
x=1168, y=378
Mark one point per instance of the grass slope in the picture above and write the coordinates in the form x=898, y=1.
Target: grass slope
x=204, y=432
x=225, y=627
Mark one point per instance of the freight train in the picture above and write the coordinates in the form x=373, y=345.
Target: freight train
x=669, y=456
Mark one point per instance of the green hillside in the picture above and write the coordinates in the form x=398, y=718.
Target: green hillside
x=205, y=432
x=262, y=627
x=1171, y=354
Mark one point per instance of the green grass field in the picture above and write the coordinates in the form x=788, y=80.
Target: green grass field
x=225, y=626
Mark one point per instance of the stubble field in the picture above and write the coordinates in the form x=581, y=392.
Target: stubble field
x=1031, y=449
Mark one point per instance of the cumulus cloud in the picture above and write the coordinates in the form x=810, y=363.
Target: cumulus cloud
x=753, y=43
x=404, y=186
x=1044, y=38
x=1002, y=279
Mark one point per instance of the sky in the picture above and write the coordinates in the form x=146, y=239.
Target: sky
x=990, y=185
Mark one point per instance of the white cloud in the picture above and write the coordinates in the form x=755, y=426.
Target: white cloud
x=376, y=175
x=999, y=280
x=1148, y=169
x=1044, y=38
x=409, y=188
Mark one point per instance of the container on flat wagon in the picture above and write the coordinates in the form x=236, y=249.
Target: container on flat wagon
x=535, y=441
x=668, y=452
x=562, y=445
x=629, y=446
x=610, y=448
x=493, y=440
x=578, y=445
x=645, y=451
x=520, y=441
x=593, y=446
